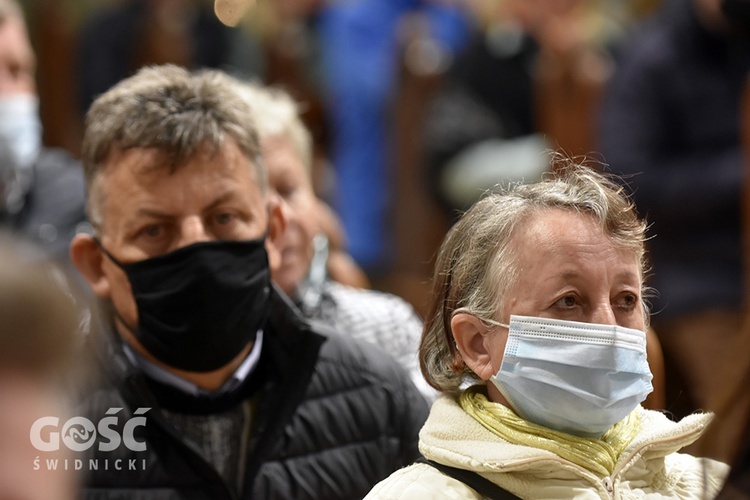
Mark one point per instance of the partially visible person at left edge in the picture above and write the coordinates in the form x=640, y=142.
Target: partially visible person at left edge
x=232, y=393
x=41, y=189
x=38, y=326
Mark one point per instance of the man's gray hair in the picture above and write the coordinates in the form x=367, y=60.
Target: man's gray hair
x=476, y=266
x=169, y=108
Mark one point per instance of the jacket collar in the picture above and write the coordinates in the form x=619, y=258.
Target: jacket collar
x=452, y=437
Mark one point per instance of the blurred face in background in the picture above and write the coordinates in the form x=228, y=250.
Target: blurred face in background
x=20, y=126
x=288, y=177
x=533, y=13
x=17, y=60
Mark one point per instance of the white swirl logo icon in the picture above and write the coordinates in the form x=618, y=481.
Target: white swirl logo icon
x=79, y=434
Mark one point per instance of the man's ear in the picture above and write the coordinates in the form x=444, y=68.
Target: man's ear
x=470, y=334
x=276, y=229
x=88, y=257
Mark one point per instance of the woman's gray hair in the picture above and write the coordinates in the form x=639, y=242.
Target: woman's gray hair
x=475, y=266
x=172, y=109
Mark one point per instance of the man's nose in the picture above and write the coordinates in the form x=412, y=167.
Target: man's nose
x=193, y=230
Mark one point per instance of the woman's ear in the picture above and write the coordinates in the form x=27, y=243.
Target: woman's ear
x=87, y=258
x=276, y=228
x=470, y=334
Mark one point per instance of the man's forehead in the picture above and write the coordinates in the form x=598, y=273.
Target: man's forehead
x=150, y=160
x=151, y=167
x=137, y=157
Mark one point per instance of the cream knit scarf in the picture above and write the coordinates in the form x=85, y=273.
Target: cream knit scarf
x=597, y=455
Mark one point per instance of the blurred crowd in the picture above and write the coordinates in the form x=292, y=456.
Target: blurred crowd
x=374, y=79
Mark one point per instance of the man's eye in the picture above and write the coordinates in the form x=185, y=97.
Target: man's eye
x=153, y=231
x=224, y=218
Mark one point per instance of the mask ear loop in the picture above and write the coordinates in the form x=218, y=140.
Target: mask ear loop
x=495, y=323
x=115, y=312
x=106, y=252
x=487, y=322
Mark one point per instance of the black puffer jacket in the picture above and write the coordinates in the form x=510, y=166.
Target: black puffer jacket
x=332, y=418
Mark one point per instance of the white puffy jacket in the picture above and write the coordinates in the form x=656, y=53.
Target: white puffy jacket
x=649, y=467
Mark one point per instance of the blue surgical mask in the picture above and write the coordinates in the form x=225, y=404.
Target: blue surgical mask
x=579, y=378
x=20, y=128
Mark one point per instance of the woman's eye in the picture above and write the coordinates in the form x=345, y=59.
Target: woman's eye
x=628, y=300
x=567, y=302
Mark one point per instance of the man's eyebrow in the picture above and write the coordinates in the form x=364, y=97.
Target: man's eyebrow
x=153, y=212
x=161, y=214
x=221, y=199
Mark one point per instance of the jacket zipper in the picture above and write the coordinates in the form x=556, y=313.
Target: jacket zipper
x=621, y=463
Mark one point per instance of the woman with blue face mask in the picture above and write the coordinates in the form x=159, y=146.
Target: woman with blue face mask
x=536, y=340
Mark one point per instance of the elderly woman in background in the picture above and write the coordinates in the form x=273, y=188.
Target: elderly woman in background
x=538, y=300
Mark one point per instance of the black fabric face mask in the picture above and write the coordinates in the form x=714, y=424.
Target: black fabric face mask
x=200, y=305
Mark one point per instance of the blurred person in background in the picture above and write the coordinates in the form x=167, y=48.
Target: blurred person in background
x=38, y=328
x=316, y=274
x=118, y=39
x=362, y=47
x=528, y=81
x=41, y=189
x=670, y=125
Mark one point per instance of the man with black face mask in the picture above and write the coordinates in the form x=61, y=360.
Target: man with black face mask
x=215, y=387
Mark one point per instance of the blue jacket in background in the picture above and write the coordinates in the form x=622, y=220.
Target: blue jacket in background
x=361, y=53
